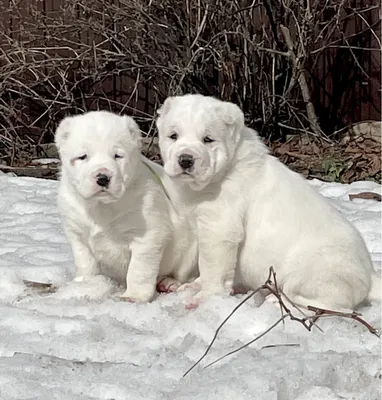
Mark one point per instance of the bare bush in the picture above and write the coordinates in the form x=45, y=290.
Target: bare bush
x=71, y=56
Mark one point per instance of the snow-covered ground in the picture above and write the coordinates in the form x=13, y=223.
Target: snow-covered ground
x=81, y=342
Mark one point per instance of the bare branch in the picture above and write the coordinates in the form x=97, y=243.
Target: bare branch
x=308, y=322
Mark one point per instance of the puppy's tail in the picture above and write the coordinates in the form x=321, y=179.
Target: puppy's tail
x=375, y=290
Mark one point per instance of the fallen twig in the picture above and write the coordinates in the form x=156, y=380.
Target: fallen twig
x=307, y=321
x=271, y=346
x=282, y=318
x=320, y=312
x=219, y=329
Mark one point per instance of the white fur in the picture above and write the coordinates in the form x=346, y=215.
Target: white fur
x=128, y=231
x=251, y=211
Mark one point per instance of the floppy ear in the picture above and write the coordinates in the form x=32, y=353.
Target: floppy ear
x=134, y=130
x=63, y=131
x=232, y=115
x=165, y=107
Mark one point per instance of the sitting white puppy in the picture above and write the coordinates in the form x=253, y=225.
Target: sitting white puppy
x=251, y=211
x=116, y=214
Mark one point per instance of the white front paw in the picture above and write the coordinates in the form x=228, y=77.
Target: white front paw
x=196, y=300
x=79, y=278
x=139, y=294
x=195, y=286
x=83, y=273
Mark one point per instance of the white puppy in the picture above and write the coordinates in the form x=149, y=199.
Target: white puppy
x=252, y=211
x=116, y=214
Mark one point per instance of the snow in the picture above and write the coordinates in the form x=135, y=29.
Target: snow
x=45, y=161
x=81, y=342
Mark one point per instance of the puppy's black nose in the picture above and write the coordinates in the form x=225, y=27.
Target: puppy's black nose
x=103, y=180
x=186, y=161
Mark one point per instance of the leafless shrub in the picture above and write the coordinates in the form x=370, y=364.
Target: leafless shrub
x=62, y=57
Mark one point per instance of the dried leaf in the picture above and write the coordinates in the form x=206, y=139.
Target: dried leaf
x=283, y=148
x=352, y=149
x=366, y=196
x=316, y=149
x=297, y=155
x=375, y=165
x=40, y=286
x=348, y=175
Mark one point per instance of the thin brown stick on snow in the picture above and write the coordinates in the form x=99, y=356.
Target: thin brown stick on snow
x=308, y=322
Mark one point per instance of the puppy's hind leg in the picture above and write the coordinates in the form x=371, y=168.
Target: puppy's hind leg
x=327, y=291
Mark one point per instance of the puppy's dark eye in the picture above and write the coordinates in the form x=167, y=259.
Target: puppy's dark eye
x=116, y=156
x=83, y=157
x=173, y=136
x=207, y=139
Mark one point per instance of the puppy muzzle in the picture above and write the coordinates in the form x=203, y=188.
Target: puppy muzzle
x=186, y=162
x=103, y=180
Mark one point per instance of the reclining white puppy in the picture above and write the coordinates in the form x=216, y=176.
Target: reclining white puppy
x=252, y=211
x=116, y=214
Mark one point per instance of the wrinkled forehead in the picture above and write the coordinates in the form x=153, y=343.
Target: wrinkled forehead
x=99, y=133
x=192, y=118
